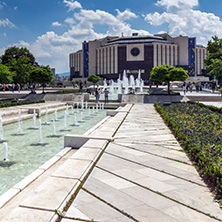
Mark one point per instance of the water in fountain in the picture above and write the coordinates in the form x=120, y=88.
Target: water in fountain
x=53, y=128
x=67, y=110
x=82, y=105
x=97, y=107
x=111, y=88
x=19, y=130
x=24, y=154
x=81, y=117
x=40, y=131
x=34, y=119
x=86, y=105
x=93, y=109
x=119, y=86
x=89, y=113
x=46, y=115
x=132, y=82
x=65, y=121
x=75, y=120
x=77, y=107
x=141, y=86
x=72, y=110
x=6, y=151
x=1, y=129
x=125, y=83
x=104, y=84
x=55, y=113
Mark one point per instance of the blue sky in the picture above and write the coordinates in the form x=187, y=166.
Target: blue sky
x=51, y=29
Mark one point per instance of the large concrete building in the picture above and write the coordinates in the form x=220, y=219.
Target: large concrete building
x=110, y=56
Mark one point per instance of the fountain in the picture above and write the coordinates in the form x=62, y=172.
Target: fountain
x=82, y=105
x=46, y=115
x=29, y=150
x=89, y=113
x=81, y=117
x=1, y=129
x=77, y=107
x=75, y=120
x=55, y=113
x=53, y=128
x=6, y=151
x=97, y=107
x=65, y=121
x=34, y=120
x=40, y=132
x=19, y=130
x=72, y=110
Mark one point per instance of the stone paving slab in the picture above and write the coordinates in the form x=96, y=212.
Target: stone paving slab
x=21, y=214
x=72, y=168
x=55, y=189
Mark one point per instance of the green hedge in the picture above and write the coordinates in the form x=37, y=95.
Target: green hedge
x=17, y=103
x=208, y=169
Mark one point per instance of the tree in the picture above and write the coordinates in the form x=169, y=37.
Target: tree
x=213, y=62
x=167, y=73
x=93, y=78
x=15, y=52
x=41, y=75
x=20, y=61
x=5, y=74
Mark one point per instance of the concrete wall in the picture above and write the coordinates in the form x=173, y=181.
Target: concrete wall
x=148, y=98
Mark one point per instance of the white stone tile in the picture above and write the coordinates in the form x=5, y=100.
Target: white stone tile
x=4, y=198
x=29, y=179
x=50, y=194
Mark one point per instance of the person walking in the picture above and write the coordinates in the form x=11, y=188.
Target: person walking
x=106, y=93
x=184, y=89
x=97, y=94
x=80, y=87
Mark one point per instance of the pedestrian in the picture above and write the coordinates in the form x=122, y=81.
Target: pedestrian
x=191, y=87
x=13, y=87
x=106, y=93
x=3, y=87
x=97, y=94
x=19, y=88
x=80, y=87
x=184, y=89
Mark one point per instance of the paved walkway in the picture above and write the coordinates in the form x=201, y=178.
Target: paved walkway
x=142, y=175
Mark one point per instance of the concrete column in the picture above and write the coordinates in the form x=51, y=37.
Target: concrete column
x=168, y=55
x=171, y=55
x=176, y=55
x=105, y=59
x=159, y=54
x=154, y=55
x=116, y=59
x=111, y=68
x=163, y=55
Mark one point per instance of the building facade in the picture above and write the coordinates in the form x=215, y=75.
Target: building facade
x=110, y=56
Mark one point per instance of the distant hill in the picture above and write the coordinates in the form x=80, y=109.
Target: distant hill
x=63, y=74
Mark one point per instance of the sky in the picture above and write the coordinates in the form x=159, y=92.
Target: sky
x=51, y=29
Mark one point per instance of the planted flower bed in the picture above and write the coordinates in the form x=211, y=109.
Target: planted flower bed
x=198, y=128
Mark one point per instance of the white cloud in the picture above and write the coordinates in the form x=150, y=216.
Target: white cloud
x=56, y=24
x=72, y=4
x=70, y=21
x=53, y=49
x=186, y=20
x=2, y=4
x=6, y=23
x=126, y=15
x=16, y=7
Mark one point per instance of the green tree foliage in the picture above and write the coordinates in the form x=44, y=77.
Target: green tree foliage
x=22, y=68
x=41, y=75
x=15, y=53
x=20, y=61
x=93, y=78
x=167, y=73
x=5, y=74
x=213, y=62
